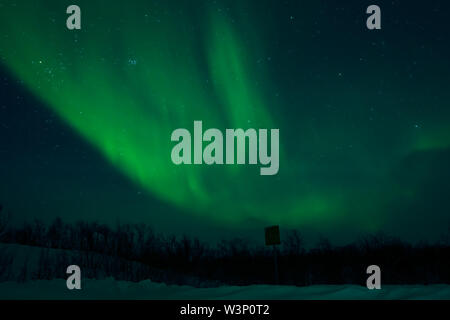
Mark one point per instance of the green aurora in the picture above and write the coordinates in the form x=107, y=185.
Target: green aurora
x=356, y=112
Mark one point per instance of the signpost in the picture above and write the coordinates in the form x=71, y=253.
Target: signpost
x=272, y=236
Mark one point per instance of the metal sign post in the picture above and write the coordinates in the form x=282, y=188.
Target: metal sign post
x=272, y=235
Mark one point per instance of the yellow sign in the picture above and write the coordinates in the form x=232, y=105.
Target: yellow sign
x=272, y=235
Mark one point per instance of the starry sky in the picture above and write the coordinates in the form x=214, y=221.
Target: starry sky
x=86, y=115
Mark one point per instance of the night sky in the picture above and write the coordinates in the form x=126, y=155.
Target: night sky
x=364, y=116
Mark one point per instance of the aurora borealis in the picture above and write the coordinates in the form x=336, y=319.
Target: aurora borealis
x=364, y=116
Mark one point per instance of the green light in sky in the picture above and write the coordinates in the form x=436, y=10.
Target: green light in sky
x=130, y=77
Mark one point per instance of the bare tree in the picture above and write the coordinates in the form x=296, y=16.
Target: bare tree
x=294, y=243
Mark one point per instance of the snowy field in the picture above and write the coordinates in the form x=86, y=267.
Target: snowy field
x=25, y=256
x=111, y=289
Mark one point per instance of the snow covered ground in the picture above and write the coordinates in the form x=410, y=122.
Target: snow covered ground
x=25, y=257
x=111, y=289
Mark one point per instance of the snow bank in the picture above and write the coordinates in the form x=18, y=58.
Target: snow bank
x=111, y=289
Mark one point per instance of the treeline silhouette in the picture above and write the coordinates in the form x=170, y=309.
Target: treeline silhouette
x=134, y=252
